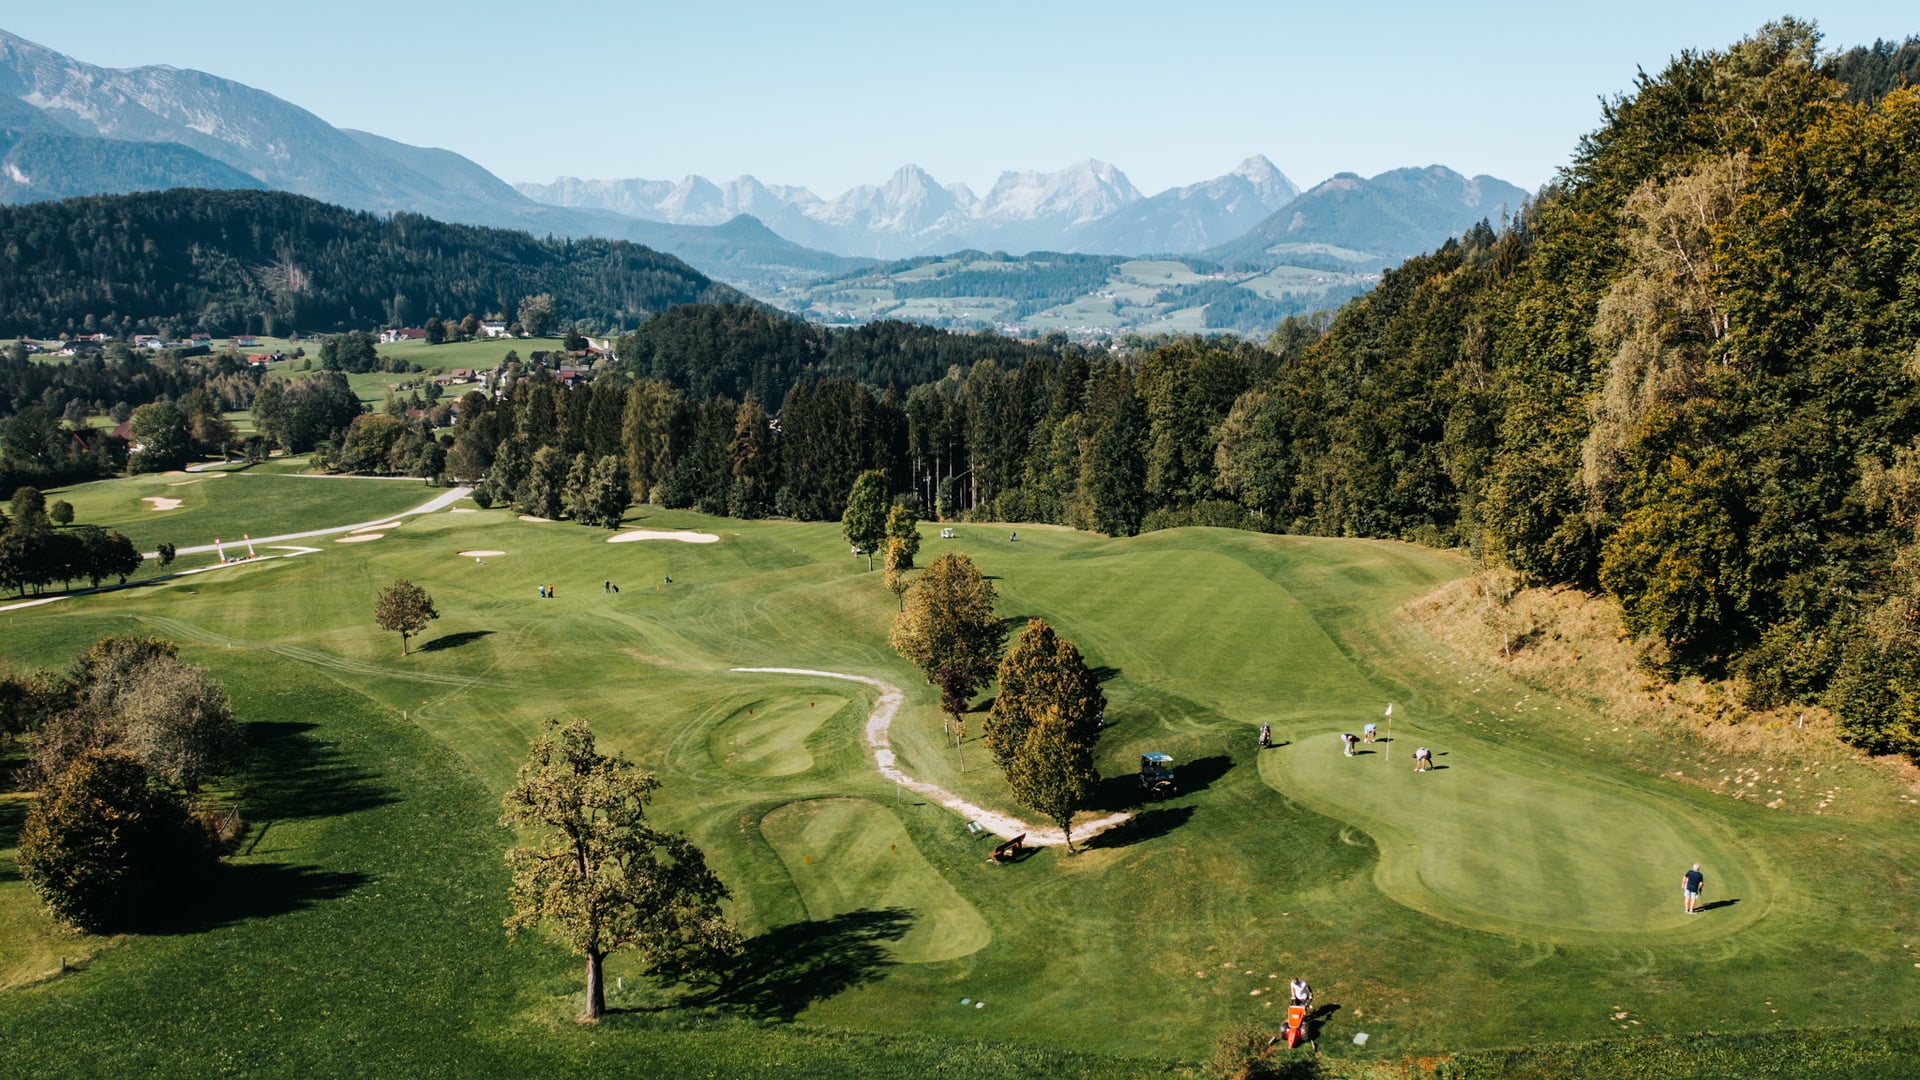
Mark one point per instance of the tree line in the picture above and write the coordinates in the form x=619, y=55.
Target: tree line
x=265, y=262
x=39, y=545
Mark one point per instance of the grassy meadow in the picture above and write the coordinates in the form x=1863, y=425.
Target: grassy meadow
x=1514, y=912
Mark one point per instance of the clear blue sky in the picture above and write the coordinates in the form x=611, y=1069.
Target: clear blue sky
x=828, y=95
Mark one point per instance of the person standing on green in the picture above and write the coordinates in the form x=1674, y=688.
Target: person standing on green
x=1693, y=880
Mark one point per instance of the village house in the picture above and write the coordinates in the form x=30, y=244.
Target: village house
x=404, y=333
x=494, y=327
x=245, y=341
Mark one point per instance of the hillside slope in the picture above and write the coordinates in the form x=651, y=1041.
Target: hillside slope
x=237, y=261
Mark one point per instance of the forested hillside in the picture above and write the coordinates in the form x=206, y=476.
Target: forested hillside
x=1686, y=377
x=227, y=262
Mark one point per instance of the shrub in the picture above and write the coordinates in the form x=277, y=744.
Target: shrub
x=104, y=848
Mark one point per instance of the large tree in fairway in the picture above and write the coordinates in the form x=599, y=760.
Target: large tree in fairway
x=598, y=875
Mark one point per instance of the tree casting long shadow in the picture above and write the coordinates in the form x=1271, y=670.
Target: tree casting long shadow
x=239, y=892
x=453, y=641
x=13, y=814
x=294, y=775
x=1146, y=825
x=788, y=968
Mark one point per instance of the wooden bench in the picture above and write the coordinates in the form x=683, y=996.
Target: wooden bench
x=1008, y=850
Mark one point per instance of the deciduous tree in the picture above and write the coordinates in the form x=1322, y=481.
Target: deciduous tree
x=897, y=563
x=865, y=521
x=1052, y=772
x=598, y=875
x=903, y=525
x=104, y=847
x=949, y=626
x=1042, y=671
x=537, y=314
x=404, y=608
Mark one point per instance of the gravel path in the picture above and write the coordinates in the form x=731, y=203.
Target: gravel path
x=878, y=741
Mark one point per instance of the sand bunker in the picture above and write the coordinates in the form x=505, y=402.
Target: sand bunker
x=480, y=554
x=160, y=502
x=463, y=510
x=530, y=517
x=357, y=538
x=657, y=534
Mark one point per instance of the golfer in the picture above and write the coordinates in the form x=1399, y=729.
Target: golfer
x=1349, y=740
x=1422, y=760
x=1691, y=883
x=1369, y=731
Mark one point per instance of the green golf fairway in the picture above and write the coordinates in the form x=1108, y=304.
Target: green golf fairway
x=849, y=855
x=768, y=736
x=1535, y=876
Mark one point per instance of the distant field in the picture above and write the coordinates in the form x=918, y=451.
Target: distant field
x=258, y=500
x=1526, y=892
x=1139, y=295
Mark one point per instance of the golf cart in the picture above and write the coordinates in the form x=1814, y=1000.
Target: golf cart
x=1156, y=775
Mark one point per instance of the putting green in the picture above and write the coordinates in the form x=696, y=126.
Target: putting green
x=848, y=855
x=768, y=736
x=1496, y=841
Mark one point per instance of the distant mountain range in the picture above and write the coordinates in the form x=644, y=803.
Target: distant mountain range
x=1090, y=207
x=69, y=128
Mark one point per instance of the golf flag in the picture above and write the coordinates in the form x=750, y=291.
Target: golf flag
x=1389, y=708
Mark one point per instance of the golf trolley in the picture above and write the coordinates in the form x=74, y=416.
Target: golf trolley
x=1156, y=775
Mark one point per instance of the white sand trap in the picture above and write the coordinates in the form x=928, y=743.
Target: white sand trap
x=530, y=517
x=382, y=525
x=161, y=502
x=480, y=554
x=358, y=538
x=463, y=510
x=657, y=534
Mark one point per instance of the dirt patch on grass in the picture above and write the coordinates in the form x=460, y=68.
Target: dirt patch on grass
x=161, y=502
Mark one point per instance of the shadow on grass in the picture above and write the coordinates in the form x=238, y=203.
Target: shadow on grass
x=1718, y=904
x=788, y=968
x=453, y=641
x=238, y=893
x=13, y=813
x=1201, y=773
x=1104, y=673
x=1146, y=825
x=1118, y=792
x=1317, y=1020
x=295, y=775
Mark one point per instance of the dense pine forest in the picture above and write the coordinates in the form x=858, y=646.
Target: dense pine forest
x=1687, y=375
x=265, y=262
